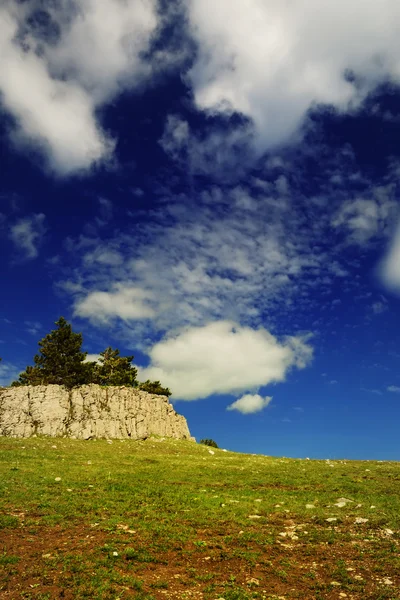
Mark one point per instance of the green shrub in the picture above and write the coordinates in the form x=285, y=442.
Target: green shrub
x=211, y=443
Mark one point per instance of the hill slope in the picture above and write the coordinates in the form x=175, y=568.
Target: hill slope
x=172, y=519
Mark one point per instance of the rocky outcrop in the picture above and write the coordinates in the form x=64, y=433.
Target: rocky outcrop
x=90, y=411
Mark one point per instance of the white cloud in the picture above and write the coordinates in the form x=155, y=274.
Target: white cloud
x=210, y=153
x=250, y=404
x=394, y=389
x=123, y=302
x=104, y=257
x=92, y=358
x=242, y=254
x=27, y=234
x=224, y=254
x=223, y=357
x=362, y=219
x=379, y=307
x=33, y=327
x=389, y=268
x=53, y=88
x=272, y=60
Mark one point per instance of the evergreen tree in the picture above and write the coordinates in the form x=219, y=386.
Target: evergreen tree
x=60, y=360
x=154, y=387
x=31, y=376
x=114, y=369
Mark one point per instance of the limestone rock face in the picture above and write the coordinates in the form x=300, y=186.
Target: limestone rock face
x=88, y=411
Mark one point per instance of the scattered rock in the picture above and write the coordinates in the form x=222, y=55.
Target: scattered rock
x=360, y=520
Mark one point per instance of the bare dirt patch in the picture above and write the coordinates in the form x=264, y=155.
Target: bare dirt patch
x=80, y=560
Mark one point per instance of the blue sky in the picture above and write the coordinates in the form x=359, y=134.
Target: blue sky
x=212, y=187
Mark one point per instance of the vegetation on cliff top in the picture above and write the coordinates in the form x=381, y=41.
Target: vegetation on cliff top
x=61, y=361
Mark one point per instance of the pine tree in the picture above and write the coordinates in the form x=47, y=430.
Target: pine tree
x=114, y=369
x=31, y=376
x=154, y=387
x=60, y=360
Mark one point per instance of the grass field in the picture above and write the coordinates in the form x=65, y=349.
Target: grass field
x=170, y=519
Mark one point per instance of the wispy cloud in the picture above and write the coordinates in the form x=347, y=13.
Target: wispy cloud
x=27, y=235
x=372, y=391
x=8, y=373
x=394, y=389
x=33, y=327
x=245, y=253
x=379, y=307
x=362, y=219
x=389, y=269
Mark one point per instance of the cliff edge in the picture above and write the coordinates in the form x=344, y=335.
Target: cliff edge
x=89, y=411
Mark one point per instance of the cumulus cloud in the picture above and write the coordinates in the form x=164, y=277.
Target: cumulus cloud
x=250, y=404
x=53, y=83
x=223, y=357
x=124, y=302
x=27, y=235
x=271, y=61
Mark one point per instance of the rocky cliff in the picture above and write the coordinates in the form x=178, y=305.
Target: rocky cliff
x=87, y=412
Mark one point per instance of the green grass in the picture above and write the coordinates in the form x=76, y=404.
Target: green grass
x=156, y=519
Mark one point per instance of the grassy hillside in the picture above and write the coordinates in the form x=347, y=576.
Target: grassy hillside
x=172, y=519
